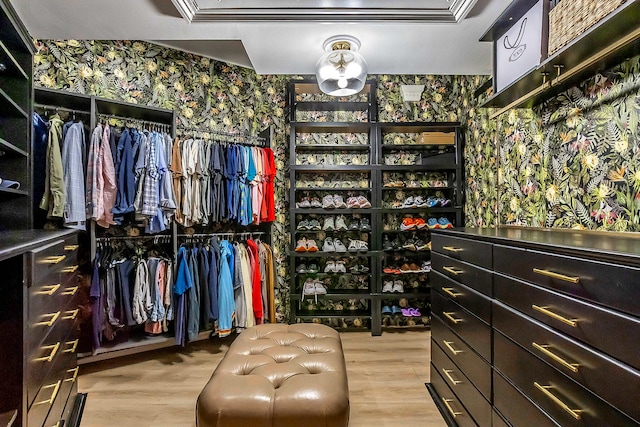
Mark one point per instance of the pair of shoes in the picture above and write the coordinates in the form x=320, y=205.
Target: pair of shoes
x=410, y=268
x=309, y=225
x=358, y=202
x=393, y=184
x=391, y=286
x=307, y=202
x=333, y=245
x=334, y=224
x=359, y=268
x=409, y=223
x=302, y=269
x=358, y=246
x=332, y=201
x=413, y=184
x=391, y=310
x=414, y=244
x=314, y=288
x=389, y=245
x=411, y=312
x=335, y=266
x=439, y=223
x=306, y=245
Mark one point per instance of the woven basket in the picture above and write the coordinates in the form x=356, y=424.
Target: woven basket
x=570, y=18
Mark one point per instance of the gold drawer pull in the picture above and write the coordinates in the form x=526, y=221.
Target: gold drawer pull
x=71, y=314
x=447, y=373
x=71, y=269
x=55, y=387
x=73, y=344
x=75, y=374
x=544, y=349
x=49, y=358
x=449, y=291
x=57, y=424
x=452, y=249
x=49, y=289
x=71, y=247
x=52, y=259
x=575, y=413
x=449, y=315
x=453, y=350
x=558, y=276
x=544, y=310
x=452, y=270
x=70, y=290
x=51, y=321
x=449, y=408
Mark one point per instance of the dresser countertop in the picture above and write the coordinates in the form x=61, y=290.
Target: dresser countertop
x=20, y=241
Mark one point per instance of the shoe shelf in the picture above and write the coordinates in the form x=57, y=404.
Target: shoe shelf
x=343, y=211
x=336, y=294
x=448, y=188
x=434, y=167
x=9, y=107
x=330, y=168
x=331, y=106
x=12, y=192
x=350, y=314
x=11, y=63
x=329, y=189
x=322, y=254
x=419, y=210
x=332, y=147
x=9, y=149
x=330, y=274
x=413, y=293
x=331, y=127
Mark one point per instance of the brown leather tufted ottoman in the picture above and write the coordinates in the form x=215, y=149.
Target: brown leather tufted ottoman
x=278, y=375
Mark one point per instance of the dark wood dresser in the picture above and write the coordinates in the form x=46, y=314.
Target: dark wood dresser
x=39, y=328
x=535, y=327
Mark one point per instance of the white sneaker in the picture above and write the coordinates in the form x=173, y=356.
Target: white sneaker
x=339, y=267
x=319, y=288
x=338, y=202
x=329, y=245
x=341, y=224
x=329, y=224
x=398, y=286
x=328, y=202
x=330, y=267
x=339, y=246
x=388, y=286
x=309, y=288
x=354, y=245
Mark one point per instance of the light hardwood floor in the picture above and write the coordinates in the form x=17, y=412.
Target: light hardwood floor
x=159, y=389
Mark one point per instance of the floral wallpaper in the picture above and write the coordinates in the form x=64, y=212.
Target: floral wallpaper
x=574, y=162
x=205, y=94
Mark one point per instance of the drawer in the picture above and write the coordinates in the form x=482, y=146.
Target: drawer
x=46, y=398
x=497, y=420
x=60, y=319
x=54, y=259
x=59, y=347
x=608, y=331
x=472, y=330
x=449, y=401
x=47, y=297
x=517, y=408
x=471, y=300
x=568, y=403
x=614, y=286
x=465, y=391
x=474, y=277
x=473, y=251
x=70, y=374
x=473, y=366
x=613, y=381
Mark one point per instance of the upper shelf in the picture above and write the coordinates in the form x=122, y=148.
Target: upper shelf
x=332, y=106
x=330, y=127
x=606, y=44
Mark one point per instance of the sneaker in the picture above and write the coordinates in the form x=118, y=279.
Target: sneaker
x=354, y=269
x=314, y=225
x=365, y=225
x=328, y=224
x=312, y=246
x=363, y=202
x=330, y=266
x=313, y=268
x=302, y=269
x=409, y=203
x=353, y=245
x=420, y=202
x=409, y=244
x=398, y=286
x=328, y=245
x=426, y=266
x=420, y=223
x=432, y=202
x=362, y=246
x=301, y=246
x=339, y=246
x=444, y=223
x=319, y=288
x=386, y=244
x=413, y=268
x=303, y=225
x=338, y=202
x=432, y=223
x=444, y=202
x=404, y=268
x=388, y=286
x=421, y=245
x=315, y=202
x=327, y=202
x=340, y=223
x=408, y=224
x=354, y=225
x=413, y=184
x=352, y=203
x=309, y=287
x=340, y=268
x=304, y=203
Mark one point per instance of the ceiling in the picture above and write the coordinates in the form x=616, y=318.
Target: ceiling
x=285, y=36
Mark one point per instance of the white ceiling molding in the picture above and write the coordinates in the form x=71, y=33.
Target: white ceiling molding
x=433, y=11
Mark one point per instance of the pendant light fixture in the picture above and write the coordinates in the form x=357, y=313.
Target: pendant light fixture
x=341, y=71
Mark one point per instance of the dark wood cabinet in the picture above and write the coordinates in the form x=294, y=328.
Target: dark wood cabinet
x=561, y=328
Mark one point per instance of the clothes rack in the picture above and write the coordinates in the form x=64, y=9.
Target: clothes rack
x=56, y=108
x=163, y=127
x=244, y=139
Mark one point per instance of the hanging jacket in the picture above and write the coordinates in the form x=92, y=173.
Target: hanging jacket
x=54, y=197
x=183, y=283
x=73, y=151
x=226, y=301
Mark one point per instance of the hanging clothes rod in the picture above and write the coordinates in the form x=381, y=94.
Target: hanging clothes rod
x=221, y=133
x=132, y=119
x=230, y=233
x=58, y=108
x=143, y=237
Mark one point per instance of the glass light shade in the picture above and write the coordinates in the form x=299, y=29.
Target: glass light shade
x=341, y=72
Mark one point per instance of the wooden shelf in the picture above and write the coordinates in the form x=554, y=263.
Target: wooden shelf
x=323, y=314
x=331, y=106
x=606, y=44
x=320, y=254
x=332, y=147
x=333, y=189
x=10, y=148
x=337, y=294
x=330, y=127
x=331, y=168
x=9, y=107
x=12, y=65
x=11, y=192
x=343, y=211
x=422, y=168
x=417, y=127
x=418, y=188
x=416, y=147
